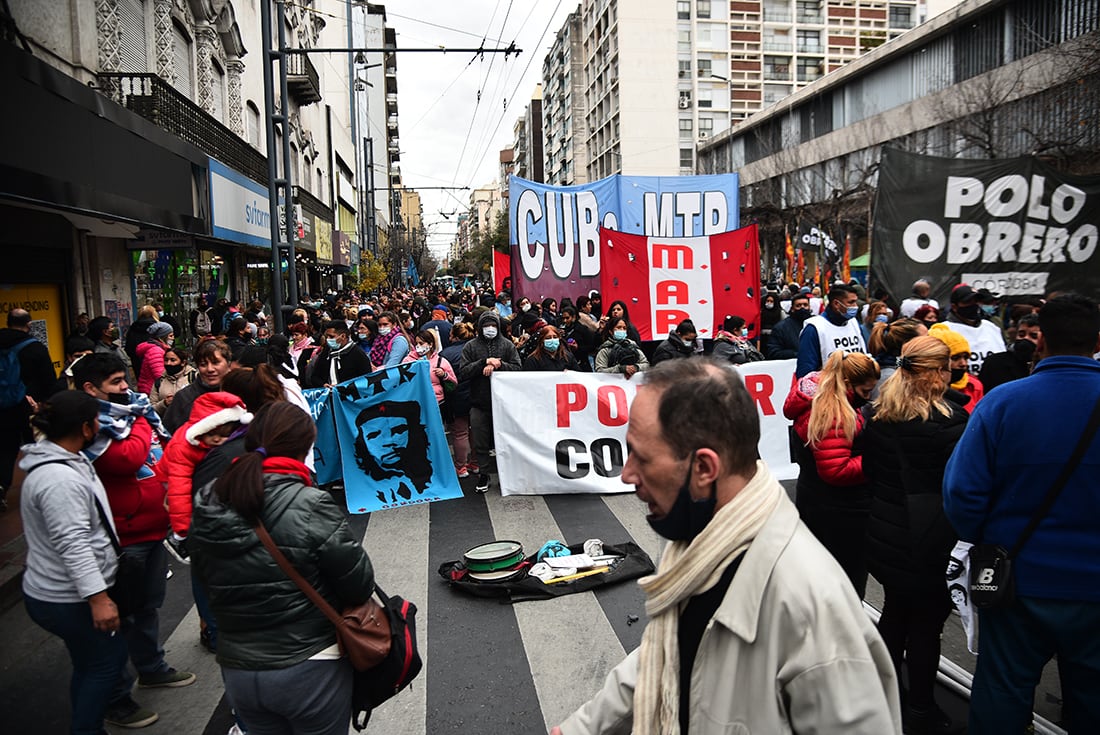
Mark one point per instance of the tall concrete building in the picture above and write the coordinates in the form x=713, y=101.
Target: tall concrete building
x=661, y=77
x=565, y=124
x=528, y=145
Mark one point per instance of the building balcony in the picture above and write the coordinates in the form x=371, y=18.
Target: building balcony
x=302, y=81
x=777, y=16
x=809, y=76
x=811, y=48
x=813, y=16
x=778, y=46
x=391, y=102
x=778, y=74
x=162, y=104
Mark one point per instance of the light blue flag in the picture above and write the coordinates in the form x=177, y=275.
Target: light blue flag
x=326, y=450
x=394, y=451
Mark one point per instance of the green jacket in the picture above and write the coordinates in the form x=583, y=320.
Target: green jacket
x=264, y=620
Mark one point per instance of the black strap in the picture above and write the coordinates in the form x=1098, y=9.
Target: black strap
x=1063, y=477
x=98, y=506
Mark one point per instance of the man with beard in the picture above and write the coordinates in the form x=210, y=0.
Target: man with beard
x=752, y=624
x=783, y=342
x=1018, y=360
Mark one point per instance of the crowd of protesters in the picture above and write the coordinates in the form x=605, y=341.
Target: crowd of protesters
x=139, y=426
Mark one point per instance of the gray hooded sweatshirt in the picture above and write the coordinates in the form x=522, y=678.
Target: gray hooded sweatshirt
x=69, y=552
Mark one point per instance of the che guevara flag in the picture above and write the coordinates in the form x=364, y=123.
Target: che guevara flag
x=664, y=280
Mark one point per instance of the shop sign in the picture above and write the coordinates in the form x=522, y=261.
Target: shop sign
x=43, y=301
x=324, y=242
x=160, y=240
x=303, y=227
x=341, y=253
x=239, y=208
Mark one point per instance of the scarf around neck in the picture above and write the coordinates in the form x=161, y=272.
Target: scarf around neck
x=117, y=421
x=380, y=348
x=288, y=466
x=688, y=569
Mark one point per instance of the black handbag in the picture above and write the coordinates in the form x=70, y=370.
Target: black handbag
x=128, y=591
x=992, y=584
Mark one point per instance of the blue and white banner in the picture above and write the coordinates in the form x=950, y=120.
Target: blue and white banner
x=555, y=230
x=388, y=441
x=326, y=450
x=239, y=208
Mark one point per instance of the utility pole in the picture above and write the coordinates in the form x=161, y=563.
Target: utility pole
x=282, y=238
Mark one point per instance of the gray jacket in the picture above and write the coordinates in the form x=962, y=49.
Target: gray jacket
x=477, y=351
x=69, y=552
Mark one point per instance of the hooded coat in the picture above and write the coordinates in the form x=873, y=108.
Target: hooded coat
x=672, y=348
x=185, y=451
x=264, y=620
x=477, y=351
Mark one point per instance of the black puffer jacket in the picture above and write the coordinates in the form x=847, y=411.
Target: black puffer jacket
x=477, y=351
x=672, y=348
x=901, y=459
x=264, y=620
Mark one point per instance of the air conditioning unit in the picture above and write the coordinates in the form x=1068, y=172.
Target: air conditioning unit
x=703, y=136
x=685, y=103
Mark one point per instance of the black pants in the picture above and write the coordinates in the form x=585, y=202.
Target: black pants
x=910, y=626
x=843, y=531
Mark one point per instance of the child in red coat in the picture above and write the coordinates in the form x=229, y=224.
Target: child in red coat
x=214, y=418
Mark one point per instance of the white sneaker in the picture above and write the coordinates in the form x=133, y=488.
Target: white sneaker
x=235, y=730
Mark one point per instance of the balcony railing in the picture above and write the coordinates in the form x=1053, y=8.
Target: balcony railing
x=302, y=81
x=783, y=47
x=162, y=104
x=777, y=16
x=809, y=76
x=779, y=73
x=810, y=48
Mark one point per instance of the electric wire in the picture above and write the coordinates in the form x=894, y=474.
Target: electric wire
x=477, y=103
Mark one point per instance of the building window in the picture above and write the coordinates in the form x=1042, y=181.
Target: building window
x=683, y=44
x=706, y=126
x=702, y=8
x=294, y=165
x=685, y=68
x=686, y=129
x=704, y=68
x=687, y=157
x=252, y=121
x=320, y=190
x=683, y=9
x=704, y=98
x=133, y=55
x=809, y=70
x=901, y=16
x=809, y=11
x=181, y=60
x=809, y=42
x=777, y=67
x=217, y=94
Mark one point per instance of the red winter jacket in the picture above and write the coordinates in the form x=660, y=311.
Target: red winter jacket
x=137, y=505
x=836, y=465
x=179, y=463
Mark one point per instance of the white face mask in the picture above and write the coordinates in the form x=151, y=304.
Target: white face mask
x=525, y=307
x=422, y=349
x=489, y=332
x=384, y=330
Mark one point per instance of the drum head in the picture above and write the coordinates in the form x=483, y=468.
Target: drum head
x=494, y=556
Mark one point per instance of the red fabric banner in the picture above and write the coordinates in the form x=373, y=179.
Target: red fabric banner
x=502, y=269
x=664, y=280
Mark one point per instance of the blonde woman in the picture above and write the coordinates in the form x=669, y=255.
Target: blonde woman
x=885, y=345
x=911, y=433
x=831, y=494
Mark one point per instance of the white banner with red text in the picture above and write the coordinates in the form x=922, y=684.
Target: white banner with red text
x=562, y=433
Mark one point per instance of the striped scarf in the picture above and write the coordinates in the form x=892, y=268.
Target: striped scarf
x=688, y=569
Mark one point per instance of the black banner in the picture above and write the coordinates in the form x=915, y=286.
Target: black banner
x=1015, y=226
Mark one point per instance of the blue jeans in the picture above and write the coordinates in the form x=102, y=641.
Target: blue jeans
x=141, y=630
x=1015, y=644
x=311, y=696
x=202, y=602
x=97, y=659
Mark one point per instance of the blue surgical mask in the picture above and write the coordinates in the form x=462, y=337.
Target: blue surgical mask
x=852, y=312
x=989, y=309
x=332, y=343
x=744, y=331
x=619, y=334
x=551, y=345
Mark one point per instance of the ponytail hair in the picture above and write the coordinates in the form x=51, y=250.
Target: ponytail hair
x=831, y=410
x=887, y=338
x=279, y=429
x=917, y=387
x=65, y=414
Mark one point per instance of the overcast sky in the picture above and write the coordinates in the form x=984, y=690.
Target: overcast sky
x=448, y=137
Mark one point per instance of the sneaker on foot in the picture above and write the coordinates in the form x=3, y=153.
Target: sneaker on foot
x=482, y=483
x=129, y=713
x=463, y=471
x=177, y=547
x=472, y=467
x=235, y=730
x=169, y=678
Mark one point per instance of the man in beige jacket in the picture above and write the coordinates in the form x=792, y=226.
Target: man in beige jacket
x=753, y=625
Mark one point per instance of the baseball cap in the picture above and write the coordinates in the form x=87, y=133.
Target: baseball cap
x=987, y=296
x=962, y=294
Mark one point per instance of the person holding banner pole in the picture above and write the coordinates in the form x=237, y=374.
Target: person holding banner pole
x=488, y=352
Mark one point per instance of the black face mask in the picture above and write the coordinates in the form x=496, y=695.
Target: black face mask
x=973, y=312
x=173, y=369
x=687, y=517
x=800, y=314
x=88, y=442
x=1023, y=349
x=122, y=399
x=957, y=374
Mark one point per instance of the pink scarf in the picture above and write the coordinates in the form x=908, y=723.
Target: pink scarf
x=380, y=350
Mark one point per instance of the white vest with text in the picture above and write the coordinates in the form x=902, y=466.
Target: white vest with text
x=984, y=339
x=830, y=337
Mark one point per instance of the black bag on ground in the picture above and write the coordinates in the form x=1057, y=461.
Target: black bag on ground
x=373, y=687
x=634, y=564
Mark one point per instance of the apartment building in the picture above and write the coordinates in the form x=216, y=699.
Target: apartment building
x=528, y=142
x=565, y=124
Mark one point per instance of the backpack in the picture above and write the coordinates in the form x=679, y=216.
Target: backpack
x=202, y=322
x=12, y=389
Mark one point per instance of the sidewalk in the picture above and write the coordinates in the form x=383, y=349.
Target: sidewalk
x=13, y=552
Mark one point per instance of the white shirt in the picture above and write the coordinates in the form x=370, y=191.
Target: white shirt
x=910, y=305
